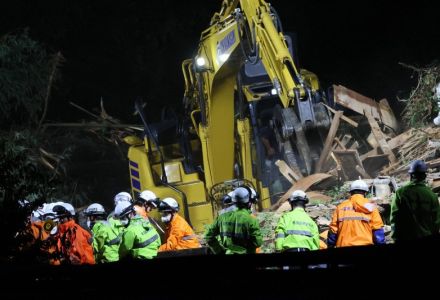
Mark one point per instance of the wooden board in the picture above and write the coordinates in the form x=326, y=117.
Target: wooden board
x=287, y=172
x=380, y=138
x=303, y=184
x=329, y=141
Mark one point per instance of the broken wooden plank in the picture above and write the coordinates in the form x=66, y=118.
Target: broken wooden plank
x=287, y=172
x=360, y=103
x=380, y=138
x=303, y=184
x=329, y=141
x=393, y=143
x=339, y=143
x=346, y=119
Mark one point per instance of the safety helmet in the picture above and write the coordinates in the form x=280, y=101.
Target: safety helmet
x=254, y=195
x=228, y=198
x=418, y=166
x=123, y=208
x=241, y=195
x=95, y=209
x=149, y=197
x=168, y=205
x=298, y=195
x=122, y=196
x=63, y=210
x=359, y=185
x=47, y=210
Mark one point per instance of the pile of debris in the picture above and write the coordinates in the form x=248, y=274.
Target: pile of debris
x=366, y=145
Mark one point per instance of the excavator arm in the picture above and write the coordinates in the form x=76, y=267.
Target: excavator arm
x=243, y=31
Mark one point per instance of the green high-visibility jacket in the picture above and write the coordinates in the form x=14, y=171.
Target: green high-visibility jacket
x=415, y=212
x=116, y=225
x=106, y=242
x=140, y=240
x=296, y=229
x=234, y=232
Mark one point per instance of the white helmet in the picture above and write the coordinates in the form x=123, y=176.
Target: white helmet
x=94, y=209
x=298, y=195
x=359, y=185
x=123, y=208
x=241, y=195
x=149, y=197
x=47, y=210
x=168, y=204
x=228, y=198
x=122, y=196
x=62, y=209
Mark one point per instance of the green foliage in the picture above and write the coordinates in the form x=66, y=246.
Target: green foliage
x=22, y=176
x=421, y=105
x=24, y=72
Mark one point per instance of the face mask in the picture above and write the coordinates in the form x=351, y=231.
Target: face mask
x=54, y=230
x=166, y=218
x=124, y=222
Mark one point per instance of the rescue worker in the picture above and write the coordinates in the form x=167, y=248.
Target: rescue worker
x=40, y=238
x=415, y=211
x=145, y=203
x=106, y=239
x=139, y=240
x=122, y=196
x=178, y=233
x=75, y=243
x=296, y=231
x=114, y=222
x=235, y=232
x=356, y=221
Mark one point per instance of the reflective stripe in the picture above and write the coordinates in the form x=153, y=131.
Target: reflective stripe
x=300, y=232
x=347, y=208
x=280, y=236
x=189, y=237
x=147, y=242
x=354, y=219
x=302, y=223
x=115, y=241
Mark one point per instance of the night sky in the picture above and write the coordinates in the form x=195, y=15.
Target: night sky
x=128, y=48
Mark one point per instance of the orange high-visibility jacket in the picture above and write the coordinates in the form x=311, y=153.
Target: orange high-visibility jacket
x=75, y=243
x=354, y=221
x=179, y=235
x=46, y=243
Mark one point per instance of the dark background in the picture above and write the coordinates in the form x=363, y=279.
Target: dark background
x=118, y=50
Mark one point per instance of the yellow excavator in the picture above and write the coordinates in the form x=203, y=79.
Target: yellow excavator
x=242, y=88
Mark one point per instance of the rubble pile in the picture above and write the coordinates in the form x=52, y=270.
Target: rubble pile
x=381, y=158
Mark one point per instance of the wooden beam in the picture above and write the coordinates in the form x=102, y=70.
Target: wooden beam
x=287, y=172
x=346, y=119
x=380, y=138
x=329, y=140
x=393, y=143
x=303, y=184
